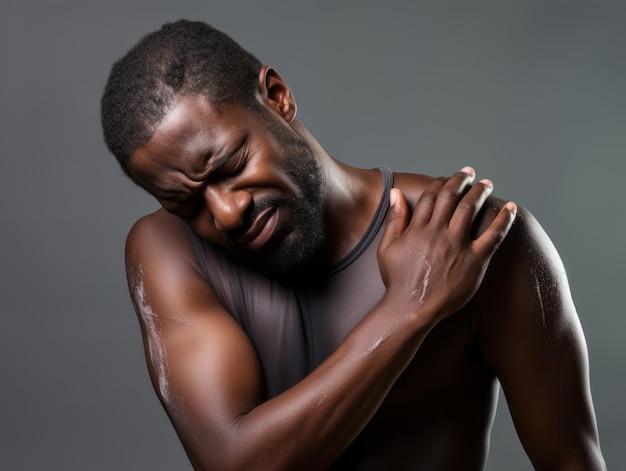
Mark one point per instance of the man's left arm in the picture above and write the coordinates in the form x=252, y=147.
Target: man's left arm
x=532, y=339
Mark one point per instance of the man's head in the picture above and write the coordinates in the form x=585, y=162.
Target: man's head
x=212, y=138
x=181, y=58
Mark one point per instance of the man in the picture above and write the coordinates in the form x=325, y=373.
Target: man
x=299, y=313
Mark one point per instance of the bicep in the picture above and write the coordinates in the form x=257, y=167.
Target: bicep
x=212, y=376
x=202, y=365
x=532, y=338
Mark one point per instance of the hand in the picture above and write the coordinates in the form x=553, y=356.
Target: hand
x=430, y=264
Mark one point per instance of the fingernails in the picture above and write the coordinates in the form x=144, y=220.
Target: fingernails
x=511, y=207
x=469, y=171
x=392, y=198
x=488, y=183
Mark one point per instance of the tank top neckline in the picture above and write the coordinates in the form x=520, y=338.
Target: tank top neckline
x=373, y=228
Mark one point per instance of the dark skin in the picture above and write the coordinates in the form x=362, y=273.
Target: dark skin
x=470, y=296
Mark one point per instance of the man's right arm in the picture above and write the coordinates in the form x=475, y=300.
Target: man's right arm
x=206, y=371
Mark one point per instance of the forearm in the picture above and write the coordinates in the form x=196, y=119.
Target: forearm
x=431, y=268
x=310, y=425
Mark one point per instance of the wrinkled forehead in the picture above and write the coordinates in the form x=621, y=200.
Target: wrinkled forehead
x=193, y=121
x=190, y=134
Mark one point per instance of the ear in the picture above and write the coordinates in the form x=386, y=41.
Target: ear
x=276, y=94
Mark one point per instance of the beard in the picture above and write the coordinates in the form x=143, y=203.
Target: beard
x=291, y=251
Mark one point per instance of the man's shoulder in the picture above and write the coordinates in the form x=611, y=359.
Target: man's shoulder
x=155, y=225
x=526, y=242
x=525, y=270
x=158, y=236
x=411, y=184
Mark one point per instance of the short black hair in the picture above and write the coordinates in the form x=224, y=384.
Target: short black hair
x=182, y=57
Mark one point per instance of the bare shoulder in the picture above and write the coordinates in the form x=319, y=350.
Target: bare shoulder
x=158, y=240
x=525, y=265
x=524, y=304
x=163, y=269
x=526, y=252
x=154, y=230
x=411, y=184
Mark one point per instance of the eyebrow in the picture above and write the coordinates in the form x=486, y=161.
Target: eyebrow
x=180, y=195
x=222, y=161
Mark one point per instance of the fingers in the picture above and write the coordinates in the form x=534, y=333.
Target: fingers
x=426, y=203
x=490, y=240
x=468, y=207
x=450, y=203
x=439, y=200
x=397, y=219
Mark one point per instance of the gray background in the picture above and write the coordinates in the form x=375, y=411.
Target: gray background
x=530, y=92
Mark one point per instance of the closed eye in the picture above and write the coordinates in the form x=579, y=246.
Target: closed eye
x=188, y=204
x=234, y=164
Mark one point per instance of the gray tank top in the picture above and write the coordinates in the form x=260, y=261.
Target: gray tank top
x=295, y=328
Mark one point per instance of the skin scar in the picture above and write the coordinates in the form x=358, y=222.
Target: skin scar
x=156, y=348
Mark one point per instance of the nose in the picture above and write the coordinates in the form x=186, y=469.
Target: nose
x=227, y=206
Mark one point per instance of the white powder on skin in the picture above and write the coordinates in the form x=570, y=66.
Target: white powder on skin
x=178, y=321
x=156, y=349
x=373, y=348
x=543, y=285
x=322, y=400
x=420, y=291
x=539, y=298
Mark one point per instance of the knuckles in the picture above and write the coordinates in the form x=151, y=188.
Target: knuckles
x=450, y=194
x=469, y=206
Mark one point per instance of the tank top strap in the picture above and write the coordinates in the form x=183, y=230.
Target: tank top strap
x=375, y=225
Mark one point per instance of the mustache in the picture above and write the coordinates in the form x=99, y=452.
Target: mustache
x=253, y=212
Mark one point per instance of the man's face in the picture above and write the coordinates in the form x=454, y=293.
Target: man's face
x=242, y=180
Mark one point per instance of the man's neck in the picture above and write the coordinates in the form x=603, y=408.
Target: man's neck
x=352, y=197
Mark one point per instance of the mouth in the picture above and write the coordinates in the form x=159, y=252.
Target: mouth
x=261, y=231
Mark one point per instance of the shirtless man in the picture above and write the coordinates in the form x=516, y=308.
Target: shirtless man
x=298, y=313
